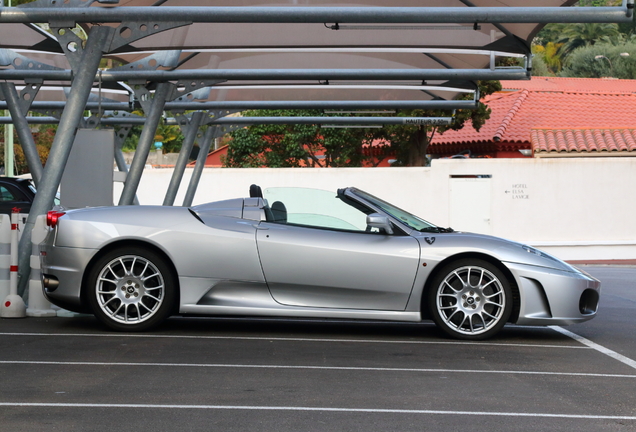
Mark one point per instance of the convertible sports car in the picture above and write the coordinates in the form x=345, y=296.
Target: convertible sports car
x=302, y=253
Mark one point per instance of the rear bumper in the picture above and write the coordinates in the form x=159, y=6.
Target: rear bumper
x=555, y=297
x=67, y=266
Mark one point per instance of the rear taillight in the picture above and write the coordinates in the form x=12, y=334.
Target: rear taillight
x=52, y=217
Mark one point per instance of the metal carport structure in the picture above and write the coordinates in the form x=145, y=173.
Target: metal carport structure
x=209, y=57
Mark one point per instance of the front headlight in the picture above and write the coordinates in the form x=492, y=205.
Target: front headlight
x=557, y=263
x=537, y=252
x=531, y=250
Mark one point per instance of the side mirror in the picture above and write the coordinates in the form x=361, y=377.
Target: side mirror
x=376, y=220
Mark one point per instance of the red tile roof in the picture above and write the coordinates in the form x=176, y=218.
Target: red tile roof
x=583, y=140
x=604, y=113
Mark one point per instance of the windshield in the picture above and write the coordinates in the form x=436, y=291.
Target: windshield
x=405, y=217
x=315, y=208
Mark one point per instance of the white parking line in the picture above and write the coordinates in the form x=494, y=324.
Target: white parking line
x=608, y=352
x=291, y=339
x=334, y=368
x=327, y=409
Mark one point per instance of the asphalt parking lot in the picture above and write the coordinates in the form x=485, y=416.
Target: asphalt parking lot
x=219, y=374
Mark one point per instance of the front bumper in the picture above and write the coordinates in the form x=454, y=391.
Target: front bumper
x=554, y=297
x=67, y=266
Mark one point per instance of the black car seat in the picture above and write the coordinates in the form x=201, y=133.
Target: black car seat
x=279, y=211
x=255, y=191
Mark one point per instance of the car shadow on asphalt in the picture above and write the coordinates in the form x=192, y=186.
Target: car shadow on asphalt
x=248, y=327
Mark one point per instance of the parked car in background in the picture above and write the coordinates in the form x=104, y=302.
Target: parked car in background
x=16, y=192
x=19, y=192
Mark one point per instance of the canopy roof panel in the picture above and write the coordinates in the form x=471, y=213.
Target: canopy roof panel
x=384, y=40
x=202, y=35
x=290, y=89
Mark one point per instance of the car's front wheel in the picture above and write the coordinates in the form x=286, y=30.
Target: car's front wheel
x=470, y=299
x=131, y=289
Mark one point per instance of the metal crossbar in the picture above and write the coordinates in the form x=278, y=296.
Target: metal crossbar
x=403, y=15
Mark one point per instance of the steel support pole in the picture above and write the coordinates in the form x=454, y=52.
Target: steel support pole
x=8, y=150
x=145, y=142
x=182, y=160
x=210, y=134
x=120, y=161
x=8, y=145
x=24, y=132
x=62, y=144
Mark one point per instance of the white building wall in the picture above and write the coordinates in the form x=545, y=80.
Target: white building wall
x=576, y=208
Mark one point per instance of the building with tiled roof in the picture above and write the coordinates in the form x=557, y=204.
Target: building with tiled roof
x=551, y=117
x=214, y=158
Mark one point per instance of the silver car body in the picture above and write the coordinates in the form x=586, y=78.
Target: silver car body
x=230, y=260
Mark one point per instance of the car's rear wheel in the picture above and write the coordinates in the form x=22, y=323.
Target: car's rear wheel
x=131, y=289
x=470, y=299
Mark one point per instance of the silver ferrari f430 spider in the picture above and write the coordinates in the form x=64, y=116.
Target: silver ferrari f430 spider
x=293, y=252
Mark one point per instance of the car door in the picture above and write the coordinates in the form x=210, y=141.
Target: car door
x=319, y=260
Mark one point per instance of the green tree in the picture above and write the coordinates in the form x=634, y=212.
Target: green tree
x=569, y=37
x=612, y=61
x=410, y=142
x=305, y=145
x=277, y=146
x=43, y=136
x=169, y=135
x=628, y=29
x=589, y=3
x=549, y=33
x=17, y=2
x=539, y=67
x=547, y=59
x=584, y=34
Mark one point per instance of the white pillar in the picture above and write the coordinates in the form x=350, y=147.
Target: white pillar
x=5, y=254
x=39, y=306
x=13, y=306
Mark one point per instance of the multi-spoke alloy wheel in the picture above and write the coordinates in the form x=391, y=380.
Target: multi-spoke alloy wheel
x=131, y=289
x=470, y=299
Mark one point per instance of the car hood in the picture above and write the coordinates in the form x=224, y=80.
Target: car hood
x=502, y=249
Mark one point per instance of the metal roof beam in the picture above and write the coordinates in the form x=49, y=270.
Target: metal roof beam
x=275, y=105
x=395, y=15
x=279, y=74
x=265, y=120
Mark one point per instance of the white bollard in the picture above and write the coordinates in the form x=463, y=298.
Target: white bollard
x=39, y=306
x=13, y=306
x=5, y=254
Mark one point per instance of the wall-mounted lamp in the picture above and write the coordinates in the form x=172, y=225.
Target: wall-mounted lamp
x=525, y=152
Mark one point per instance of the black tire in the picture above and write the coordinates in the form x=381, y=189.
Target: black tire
x=470, y=299
x=131, y=289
